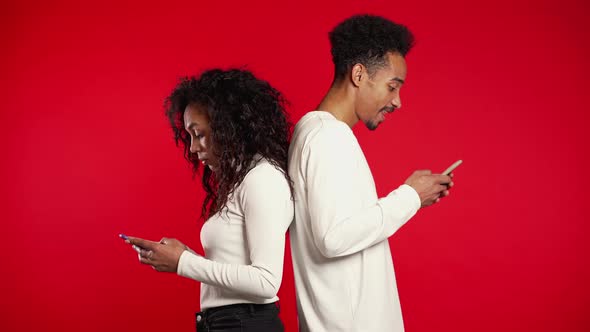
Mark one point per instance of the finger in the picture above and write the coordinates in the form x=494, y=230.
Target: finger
x=143, y=260
x=136, y=248
x=445, y=193
x=143, y=243
x=442, y=179
x=164, y=240
x=148, y=254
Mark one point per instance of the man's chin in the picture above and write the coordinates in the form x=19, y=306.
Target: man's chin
x=371, y=125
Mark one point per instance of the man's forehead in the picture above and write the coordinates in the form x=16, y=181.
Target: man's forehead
x=396, y=67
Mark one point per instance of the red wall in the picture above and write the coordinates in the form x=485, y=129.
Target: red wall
x=87, y=154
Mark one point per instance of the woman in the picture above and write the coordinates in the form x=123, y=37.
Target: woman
x=234, y=126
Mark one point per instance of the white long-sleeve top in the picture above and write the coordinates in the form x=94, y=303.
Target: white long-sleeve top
x=244, y=243
x=343, y=267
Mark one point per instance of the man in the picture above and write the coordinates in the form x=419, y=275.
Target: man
x=343, y=267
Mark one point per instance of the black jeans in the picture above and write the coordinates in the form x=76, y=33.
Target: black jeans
x=240, y=318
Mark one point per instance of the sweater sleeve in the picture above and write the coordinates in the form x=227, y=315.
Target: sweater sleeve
x=266, y=202
x=339, y=225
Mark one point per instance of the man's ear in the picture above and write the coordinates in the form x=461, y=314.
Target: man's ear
x=357, y=74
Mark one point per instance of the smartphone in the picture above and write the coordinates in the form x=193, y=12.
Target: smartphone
x=452, y=167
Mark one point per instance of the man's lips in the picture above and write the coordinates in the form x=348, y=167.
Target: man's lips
x=388, y=109
x=384, y=111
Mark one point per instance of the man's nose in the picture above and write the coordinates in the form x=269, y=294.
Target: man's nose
x=396, y=102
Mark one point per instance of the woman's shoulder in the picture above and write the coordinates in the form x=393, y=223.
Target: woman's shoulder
x=265, y=183
x=264, y=171
x=264, y=174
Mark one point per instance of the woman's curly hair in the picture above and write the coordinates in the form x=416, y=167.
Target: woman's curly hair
x=247, y=117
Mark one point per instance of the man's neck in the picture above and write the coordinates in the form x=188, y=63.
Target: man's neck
x=339, y=101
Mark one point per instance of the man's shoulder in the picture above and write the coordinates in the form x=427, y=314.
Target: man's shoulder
x=319, y=125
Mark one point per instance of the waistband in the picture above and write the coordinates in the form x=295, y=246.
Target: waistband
x=210, y=313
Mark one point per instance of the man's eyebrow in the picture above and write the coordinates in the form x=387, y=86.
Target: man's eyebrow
x=191, y=125
x=397, y=80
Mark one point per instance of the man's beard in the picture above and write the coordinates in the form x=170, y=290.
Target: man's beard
x=371, y=125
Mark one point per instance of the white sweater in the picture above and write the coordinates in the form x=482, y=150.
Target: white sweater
x=341, y=258
x=244, y=244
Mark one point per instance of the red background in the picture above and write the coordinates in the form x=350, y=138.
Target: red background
x=87, y=154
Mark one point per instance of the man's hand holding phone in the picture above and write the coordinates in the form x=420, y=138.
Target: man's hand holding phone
x=432, y=187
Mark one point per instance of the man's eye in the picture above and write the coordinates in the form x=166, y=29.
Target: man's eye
x=391, y=88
